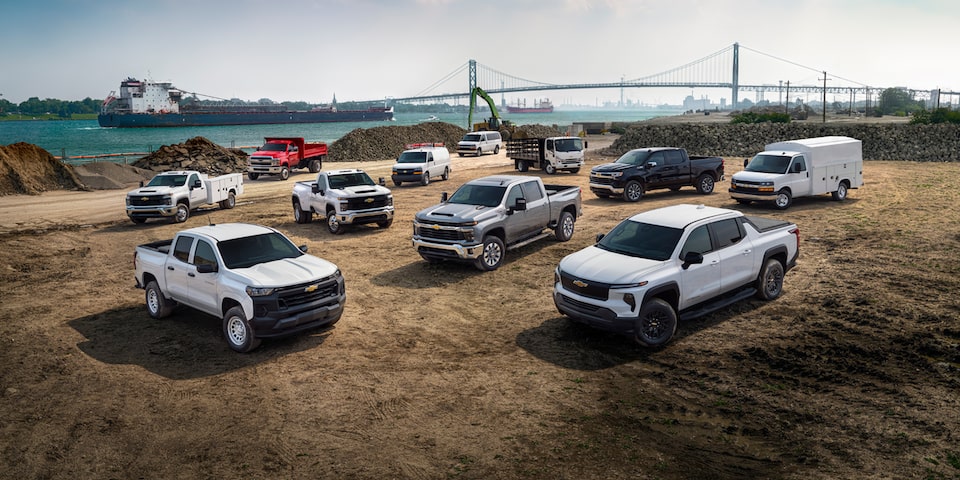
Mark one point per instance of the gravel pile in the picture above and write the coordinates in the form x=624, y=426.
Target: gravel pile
x=198, y=154
x=382, y=143
x=28, y=169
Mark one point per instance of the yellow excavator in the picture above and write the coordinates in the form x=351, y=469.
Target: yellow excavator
x=492, y=123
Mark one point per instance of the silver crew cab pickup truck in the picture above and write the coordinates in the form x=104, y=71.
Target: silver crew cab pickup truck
x=674, y=262
x=489, y=215
x=253, y=277
x=347, y=196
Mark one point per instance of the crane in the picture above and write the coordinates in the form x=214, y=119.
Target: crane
x=492, y=123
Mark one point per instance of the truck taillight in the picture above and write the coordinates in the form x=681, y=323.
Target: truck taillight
x=796, y=232
x=134, y=259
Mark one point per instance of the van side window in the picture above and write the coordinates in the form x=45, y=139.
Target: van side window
x=728, y=232
x=181, y=251
x=698, y=241
x=531, y=191
x=798, y=165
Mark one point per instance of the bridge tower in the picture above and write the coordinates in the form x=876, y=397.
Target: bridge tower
x=736, y=74
x=472, y=77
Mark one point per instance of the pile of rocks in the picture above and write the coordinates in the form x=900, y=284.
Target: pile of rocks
x=381, y=143
x=198, y=154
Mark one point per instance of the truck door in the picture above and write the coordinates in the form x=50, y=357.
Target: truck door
x=550, y=153
x=700, y=281
x=177, y=267
x=202, y=287
x=428, y=168
x=675, y=171
x=798, y=177
x=659, y=174
x=198, y=195
x=736, y=253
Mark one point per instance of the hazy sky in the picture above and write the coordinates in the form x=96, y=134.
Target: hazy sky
x=372, y=49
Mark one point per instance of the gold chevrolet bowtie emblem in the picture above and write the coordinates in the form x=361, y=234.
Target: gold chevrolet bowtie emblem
x=311, y=288
x=369, y=200
x=435, y=227
x=144, y=199
x=580, y=283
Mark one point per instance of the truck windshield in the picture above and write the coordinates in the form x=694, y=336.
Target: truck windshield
x=768, y=164
x=350, y=180
x=412, y=157
x=643, y=240
x=569, y=145
x=274, y=147
x=486, y=195
x=168, y=181
x=634, y=157
x=249, y=251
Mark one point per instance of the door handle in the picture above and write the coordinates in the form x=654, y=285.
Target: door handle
x=746, y=252
x=169, y=268
x=191, y=274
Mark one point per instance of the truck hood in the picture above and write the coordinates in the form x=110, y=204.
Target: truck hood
x=288, y=271
x=270, y=154
x=611, y=167
x=362, y=190
x=593, y=263
x=153, y=191
x=456, y=212
x=756, y=177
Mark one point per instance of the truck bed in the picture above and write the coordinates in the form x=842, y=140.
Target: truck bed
x=555, y=189
x=763, y=224
x=162, y=246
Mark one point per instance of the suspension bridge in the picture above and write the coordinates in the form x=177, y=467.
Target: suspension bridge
x=717, y=71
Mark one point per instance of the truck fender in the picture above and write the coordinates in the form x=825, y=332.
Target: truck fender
x=669, y=292
x=147, y=278
x=780, y=253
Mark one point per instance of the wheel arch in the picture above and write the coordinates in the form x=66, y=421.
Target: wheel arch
x=778, y=253
x=497, y=232
x=668, y=292
x=147, y=278
x=227, y=303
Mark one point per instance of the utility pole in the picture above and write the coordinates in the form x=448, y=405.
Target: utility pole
x=786, y=107
x=825, y=96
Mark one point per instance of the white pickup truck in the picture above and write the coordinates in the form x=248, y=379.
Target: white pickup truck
x=347, y=196
x=253, y=277
x=175, y=194
x=677, y=262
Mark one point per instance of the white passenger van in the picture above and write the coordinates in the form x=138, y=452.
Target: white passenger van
x=799, y=168
x=478, y=143
x=421, y=161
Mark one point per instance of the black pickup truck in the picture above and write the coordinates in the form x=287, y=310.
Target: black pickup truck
x=644, y=169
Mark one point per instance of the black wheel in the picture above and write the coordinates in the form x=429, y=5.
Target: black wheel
x=770, y=280
x=496, y=150
x=446, y=174
x=783, y=200
x=492, y=256
x=575, y=170
x=238, y=332
x=397, y=183
x=743, y=201
x=284, y=173
x=229, y=202
x=183, y=213
x=479, y=151
x=564, y=229
x=385, y=223
x=425, y=179
x=157, y=305
x=137, y=220
x=841, y=193
x=656, y=323
x=253, y=176
x=549, y=169
x=315, y=166
x=459, y=154
x=522, y=166
x=705, y=183
x=334, y=225
x=633, y=191
x=301, y=215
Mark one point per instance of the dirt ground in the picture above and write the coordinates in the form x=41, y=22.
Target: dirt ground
x=441, y=371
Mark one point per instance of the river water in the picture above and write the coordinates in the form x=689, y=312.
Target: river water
x=75, y=138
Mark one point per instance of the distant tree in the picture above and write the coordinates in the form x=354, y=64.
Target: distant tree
x=940, y=115
x=898, y=101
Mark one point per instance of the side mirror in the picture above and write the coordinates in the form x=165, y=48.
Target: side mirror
x=443, y=197
x=691, y=258
x=600, y=237
x=382, y=182
x=315, y=188
x=206, y=268
x=196, y=184
x=303, y=248
x=141, y=183
x=651, y=164
x=584, y=145
x=521, y=205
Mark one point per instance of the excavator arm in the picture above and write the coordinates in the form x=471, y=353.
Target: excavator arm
x=473, y=104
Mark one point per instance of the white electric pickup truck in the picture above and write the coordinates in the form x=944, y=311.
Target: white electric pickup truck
x=671, y=263
x=251, y=276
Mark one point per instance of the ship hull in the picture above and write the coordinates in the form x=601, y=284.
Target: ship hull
x=529, y=109
x=199, y=119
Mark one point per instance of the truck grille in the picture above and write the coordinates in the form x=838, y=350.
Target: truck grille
x=147, y=200
x=299, y=294
x=364, y=203
x=586, y=288
x=601, y=180
x=261, y=161
x=448, y=235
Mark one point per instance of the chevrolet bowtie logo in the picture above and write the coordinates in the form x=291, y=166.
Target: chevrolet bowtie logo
x=144, y=199
x=435, y=227
x=369, y=200
x=580, y=283
x=311, y=288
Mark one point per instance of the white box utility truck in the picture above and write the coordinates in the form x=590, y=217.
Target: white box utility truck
x=800, y=168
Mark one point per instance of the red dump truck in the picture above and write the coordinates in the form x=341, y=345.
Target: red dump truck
x=279, y=155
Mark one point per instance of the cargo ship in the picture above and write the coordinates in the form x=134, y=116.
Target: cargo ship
x=541, y=106
x=159, y=104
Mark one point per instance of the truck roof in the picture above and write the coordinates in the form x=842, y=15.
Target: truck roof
x=228, y=231
x=679, y=216
x=344, y=171
x=499, y=180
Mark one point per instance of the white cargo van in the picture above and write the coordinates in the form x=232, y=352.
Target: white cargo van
x=799, y=168
x=421, y=161
x=478, y=143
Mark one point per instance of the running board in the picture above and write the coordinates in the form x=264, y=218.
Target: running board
x=717, y=304
x=529, y=240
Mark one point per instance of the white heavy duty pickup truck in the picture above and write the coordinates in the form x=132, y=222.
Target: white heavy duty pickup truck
x=347, y=196
x=253, y=277
x=175, y=194
x=677, y=262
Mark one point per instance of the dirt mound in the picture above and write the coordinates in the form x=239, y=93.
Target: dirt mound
x=381, y=143
x=110, y=175
x=199, y=154
x=27, y=168
x=536, y=131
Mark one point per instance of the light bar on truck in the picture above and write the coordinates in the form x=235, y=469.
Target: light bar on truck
x=418, y=145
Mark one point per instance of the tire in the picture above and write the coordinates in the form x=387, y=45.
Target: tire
x=460, y=155
x=253, y=176
x=783, y=200
x=238, y=332
x=496, y=150
x=492, y=256
x=446, y=174
x=770, y=280
x=425, y=179
x=656, y=323
x=300, y=215
x=633, y=191
x=479, y=152
x=229, y=202
x=522, y=166
x=138, y=220
x=397, y=183
x=705, y=184
x=385, y=223
x=334, y=225
x=183, y=213
x=564, y=229
x=575, y=170
x=284, y=173
x=157, y=305
x=549, y=169
x=841, y=193
x=315, y=166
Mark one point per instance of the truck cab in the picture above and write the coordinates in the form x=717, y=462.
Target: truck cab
x=420, y=162
x=551, y=154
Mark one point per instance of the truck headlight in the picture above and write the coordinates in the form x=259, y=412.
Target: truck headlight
x=259, y=291
x=343, y=205
x=390, y=200
x=167, y=200
x=128, y=201
x=468, y=235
